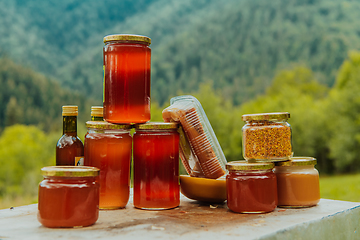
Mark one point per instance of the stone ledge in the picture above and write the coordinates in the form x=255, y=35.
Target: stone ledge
x=330, y=219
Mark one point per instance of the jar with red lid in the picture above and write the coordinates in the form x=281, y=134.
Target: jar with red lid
x=127, y=62
x=108, y=147
x=156, y=166
x=68, y=196
x=251, y=187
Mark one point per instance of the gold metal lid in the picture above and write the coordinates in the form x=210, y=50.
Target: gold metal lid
x=157, y=126
x=128, y=38
x=106, y=125
x=70, y=171
x=97, y=111
x=69, y=110
x=243, y=165
x=266, y=116
x=298, y=161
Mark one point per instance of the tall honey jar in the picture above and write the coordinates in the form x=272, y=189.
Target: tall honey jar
x=127, y=62
x=156, y=166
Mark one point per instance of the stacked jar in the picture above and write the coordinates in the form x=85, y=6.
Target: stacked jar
x=267, y=139
x=108, y=144
x=108, y=147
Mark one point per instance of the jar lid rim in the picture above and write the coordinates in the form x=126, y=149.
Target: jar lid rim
x=244, y=165
x=128, y=38
x=70, y=171
x=298, y=161
x=156, y=126
x=106, y=125
x=266, y=116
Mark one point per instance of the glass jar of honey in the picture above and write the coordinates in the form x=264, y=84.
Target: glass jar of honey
x=108, y=147
x=68, y=196
x=267, y=137
x=251, y=187
x=127, y=62
x=156, y=166
x=297, y=182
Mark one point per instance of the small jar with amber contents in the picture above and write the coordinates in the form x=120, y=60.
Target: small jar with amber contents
x=297, y=182
x=68, y=196
x=267, y=137
x=251, y=187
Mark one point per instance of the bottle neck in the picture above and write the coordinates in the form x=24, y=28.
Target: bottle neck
x=70, y=125
x=96, y=118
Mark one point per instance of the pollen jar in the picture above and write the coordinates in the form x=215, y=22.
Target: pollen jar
x=267, y=137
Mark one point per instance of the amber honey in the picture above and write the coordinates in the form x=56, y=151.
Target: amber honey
x=156, y=166
x=69, y=148
x=68, y=196
x=251, y=187
x=108, y=147
x=297, y=183
x=127, y=62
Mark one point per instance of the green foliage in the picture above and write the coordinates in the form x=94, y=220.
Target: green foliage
x=30, y=98
x=343, y=116
x=238, y=45
x=24, y=150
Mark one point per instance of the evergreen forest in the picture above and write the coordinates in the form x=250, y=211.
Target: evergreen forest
x=235, y=56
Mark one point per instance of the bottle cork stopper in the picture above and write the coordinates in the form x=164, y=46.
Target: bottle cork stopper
x=69, y=110
x=97, y=111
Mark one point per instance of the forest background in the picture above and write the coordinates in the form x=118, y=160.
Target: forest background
x=235, y=56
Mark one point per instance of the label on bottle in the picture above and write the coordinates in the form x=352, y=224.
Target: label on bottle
x=79, y=161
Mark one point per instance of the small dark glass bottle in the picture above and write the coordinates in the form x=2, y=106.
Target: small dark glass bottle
x=69, y=148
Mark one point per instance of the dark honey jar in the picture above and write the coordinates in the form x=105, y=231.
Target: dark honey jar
x=156, y=166
x=127, y=62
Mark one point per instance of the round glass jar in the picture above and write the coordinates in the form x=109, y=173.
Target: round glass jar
x=251, y=187
x=68, y=196
x=108, y=147
x=127, y=62
x=267, y=137
x=297, y=182
x=156, y=166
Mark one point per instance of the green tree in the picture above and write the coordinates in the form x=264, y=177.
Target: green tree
x=343, y=116
x=24, y=150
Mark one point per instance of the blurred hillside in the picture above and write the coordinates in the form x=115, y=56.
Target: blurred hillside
x=235, y=56
x=238, y=45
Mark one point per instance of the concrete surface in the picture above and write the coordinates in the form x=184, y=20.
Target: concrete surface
x=330, y=219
